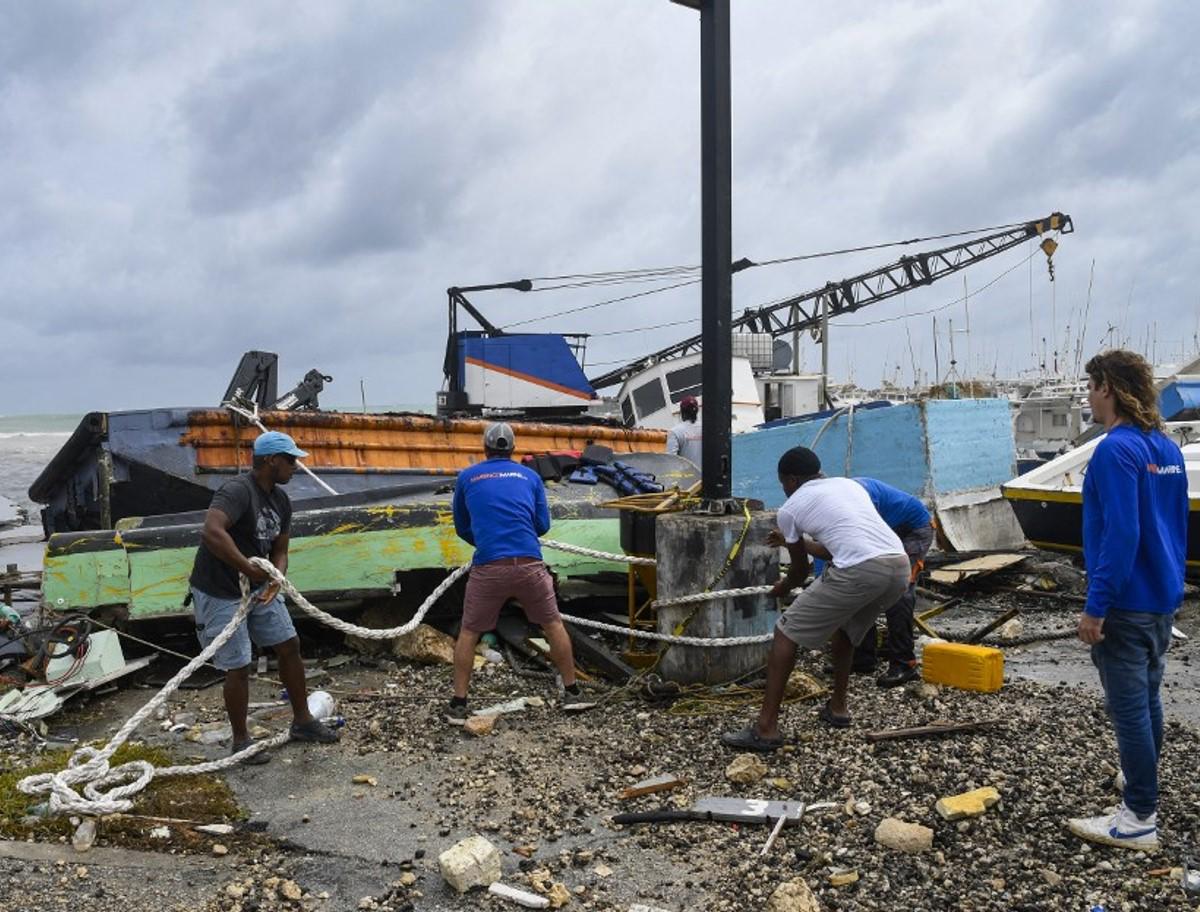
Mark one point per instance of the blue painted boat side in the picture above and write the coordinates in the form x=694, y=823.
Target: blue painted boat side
x=925, y=448
x=971, y=443
x=1180, y=400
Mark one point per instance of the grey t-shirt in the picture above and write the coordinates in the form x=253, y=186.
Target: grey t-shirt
x=258, y=518
x=686, y=440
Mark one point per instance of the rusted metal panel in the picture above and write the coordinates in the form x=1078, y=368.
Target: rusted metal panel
x=345, y=440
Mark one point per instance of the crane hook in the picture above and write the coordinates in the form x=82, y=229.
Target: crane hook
x=1049, y=245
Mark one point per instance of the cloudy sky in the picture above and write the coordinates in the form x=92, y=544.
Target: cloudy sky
x=180, y=182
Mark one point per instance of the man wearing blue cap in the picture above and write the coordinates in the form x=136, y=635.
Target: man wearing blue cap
x=250, y=516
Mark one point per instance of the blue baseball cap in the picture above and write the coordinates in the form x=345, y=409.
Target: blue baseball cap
x=273, y=442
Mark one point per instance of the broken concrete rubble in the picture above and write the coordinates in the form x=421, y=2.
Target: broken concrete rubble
x=893, y=833
x=746, y=769
x=473, y=862
x=793, y=896
x=968, y=804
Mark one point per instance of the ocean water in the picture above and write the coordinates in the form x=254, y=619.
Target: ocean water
x=27, y=443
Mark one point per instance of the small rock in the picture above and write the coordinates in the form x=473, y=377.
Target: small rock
x=289, y=889
x=219, y=850
x=558, y=895
x=1011, y=630
x=784, y=785
x=1053, y=878
x=160, y=832
x=525, y=851
x=81, y=872
x=364, y=779
x=602, y=870
x=843, y=878
x=407, y=879
x=746, y=769
x=897, y=834
x=479, y=725
x=235, y=891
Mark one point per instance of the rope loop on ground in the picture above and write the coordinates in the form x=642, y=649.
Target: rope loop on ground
x=109, y=790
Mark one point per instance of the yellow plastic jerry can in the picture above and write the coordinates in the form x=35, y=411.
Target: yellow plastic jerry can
x=966, y=667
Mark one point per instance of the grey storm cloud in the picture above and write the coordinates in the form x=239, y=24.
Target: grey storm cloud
x=181, y=182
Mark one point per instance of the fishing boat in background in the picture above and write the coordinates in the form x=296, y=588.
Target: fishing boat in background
x=1048, y=501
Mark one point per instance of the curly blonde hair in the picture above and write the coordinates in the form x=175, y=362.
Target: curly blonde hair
x=1131, y=381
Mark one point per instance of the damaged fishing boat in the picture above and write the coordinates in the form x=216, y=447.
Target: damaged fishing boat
x=1048, y=501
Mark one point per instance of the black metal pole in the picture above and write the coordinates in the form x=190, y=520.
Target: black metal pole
x=717, y=246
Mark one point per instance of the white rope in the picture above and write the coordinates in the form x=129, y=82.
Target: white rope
x=90, y=768
x=602, y=555
x=669, y=638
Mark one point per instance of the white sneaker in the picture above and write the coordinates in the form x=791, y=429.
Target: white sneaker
x=1123, y=829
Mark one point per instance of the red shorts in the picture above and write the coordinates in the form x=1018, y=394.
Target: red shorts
x=489, y=586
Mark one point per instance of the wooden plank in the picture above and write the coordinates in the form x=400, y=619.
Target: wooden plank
x=662, y=783
x=953, y=574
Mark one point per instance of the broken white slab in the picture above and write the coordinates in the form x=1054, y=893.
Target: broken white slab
x=521, y=897
x=512, y=706
x=978, y=520
x=473, y=862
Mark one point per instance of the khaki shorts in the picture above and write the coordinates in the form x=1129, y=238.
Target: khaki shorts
x=846, y=599
x=490, y=586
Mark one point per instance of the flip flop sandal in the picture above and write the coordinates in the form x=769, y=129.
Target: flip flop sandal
x=826, y=715
x=750, y=740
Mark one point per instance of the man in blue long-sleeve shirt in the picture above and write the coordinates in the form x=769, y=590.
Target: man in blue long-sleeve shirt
x=1135, y=507
x=500, y=507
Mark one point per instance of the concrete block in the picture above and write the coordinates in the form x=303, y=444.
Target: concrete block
x=474, y=862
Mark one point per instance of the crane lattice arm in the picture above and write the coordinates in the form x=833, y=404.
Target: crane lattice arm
x=804, y=311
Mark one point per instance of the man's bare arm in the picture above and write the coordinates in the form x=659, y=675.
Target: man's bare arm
x=797, y=571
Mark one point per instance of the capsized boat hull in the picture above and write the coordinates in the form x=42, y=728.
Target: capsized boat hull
x=170, y=460
x=352, y=547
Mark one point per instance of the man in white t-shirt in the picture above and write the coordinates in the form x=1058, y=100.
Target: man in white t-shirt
x=867, y=572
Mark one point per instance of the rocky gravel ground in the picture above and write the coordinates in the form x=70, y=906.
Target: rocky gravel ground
x=543, y=786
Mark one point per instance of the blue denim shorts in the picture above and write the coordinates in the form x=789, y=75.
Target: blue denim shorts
x=267, y=625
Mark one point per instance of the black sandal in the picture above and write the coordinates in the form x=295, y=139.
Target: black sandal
x=748, y=739
x=827, y=716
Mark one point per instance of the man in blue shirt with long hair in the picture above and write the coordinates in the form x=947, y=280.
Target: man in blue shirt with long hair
x=1135, y=509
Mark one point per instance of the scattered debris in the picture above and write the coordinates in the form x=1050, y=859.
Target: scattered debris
x=511, y=706
x=746, y=769
x=977, y=636
x=219, y=850
x=473, y=862
x=521, y=897
x=214, y=829
x=425, y=644
x=968, y=804
x=479, y=725
x=893, y=833
x=843, y=878
x=84, y=835
x=661, y=783
x=954, y=574
x=930, y=730
x=793, y=896
x=364, y=779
